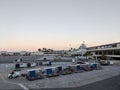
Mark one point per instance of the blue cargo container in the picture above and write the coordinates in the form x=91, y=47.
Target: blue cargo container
x=32, y=73
x=49, y=71
x=94, y=65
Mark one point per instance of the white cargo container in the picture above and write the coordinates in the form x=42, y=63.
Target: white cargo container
x=22, y=65
x=33, y=64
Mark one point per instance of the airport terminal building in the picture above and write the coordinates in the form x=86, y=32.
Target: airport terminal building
x=112, y=51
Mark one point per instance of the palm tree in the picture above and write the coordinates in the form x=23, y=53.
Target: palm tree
x=104, y=57
x=39, y=50
x=88, y=54
x=44, y=49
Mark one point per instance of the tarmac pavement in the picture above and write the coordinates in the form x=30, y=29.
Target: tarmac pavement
x=79, y=80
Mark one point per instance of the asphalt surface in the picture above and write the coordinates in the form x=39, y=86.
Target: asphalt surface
x=11, y=59
x=68, y=81
x=107, y=84
x=105, y=79
x=4, y=84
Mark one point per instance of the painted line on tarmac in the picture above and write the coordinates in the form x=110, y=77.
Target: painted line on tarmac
x=21, y=85
x=24, y=87
x=2, y=78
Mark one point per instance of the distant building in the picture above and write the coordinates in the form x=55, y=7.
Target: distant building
x=47, y=57
x=3, y=53
x=112, y=51
x=80, y=51
x=22, y=53
x=37, y=53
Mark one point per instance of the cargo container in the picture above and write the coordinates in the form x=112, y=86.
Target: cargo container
x=47, y=63
x=67, y=70
x=51, y=71
x=17, y=65
x=20, y=65
x=86, y=67
x=34, y=74
x=75, y=67
x=104, y=62
x=33, y=64
x=95, y=66
x=59, y=68
x=28, y=64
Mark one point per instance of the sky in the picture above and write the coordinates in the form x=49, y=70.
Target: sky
x=58, y=24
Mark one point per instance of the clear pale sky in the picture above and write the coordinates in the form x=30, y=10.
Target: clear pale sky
x=58, y=24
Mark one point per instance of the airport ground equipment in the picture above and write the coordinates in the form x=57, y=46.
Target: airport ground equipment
x=24, y=65
x=33, y=64
x=45, y=63
x=95, y=66
x=111, y=62
x=19, y=60
x=104, y=62
x=66, y=70
x=34, y=74
x=80, y=62
x=75, y=67
x=51, y=71
x=14, y=74
x=20, y=65
x=59, y=68
x=86, y=67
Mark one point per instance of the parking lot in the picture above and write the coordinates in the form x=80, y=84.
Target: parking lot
x=62, y=81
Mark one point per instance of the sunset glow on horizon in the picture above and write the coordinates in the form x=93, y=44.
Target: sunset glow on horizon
x=26, y=25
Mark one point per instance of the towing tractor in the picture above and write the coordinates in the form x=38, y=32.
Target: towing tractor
x=14, y=74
